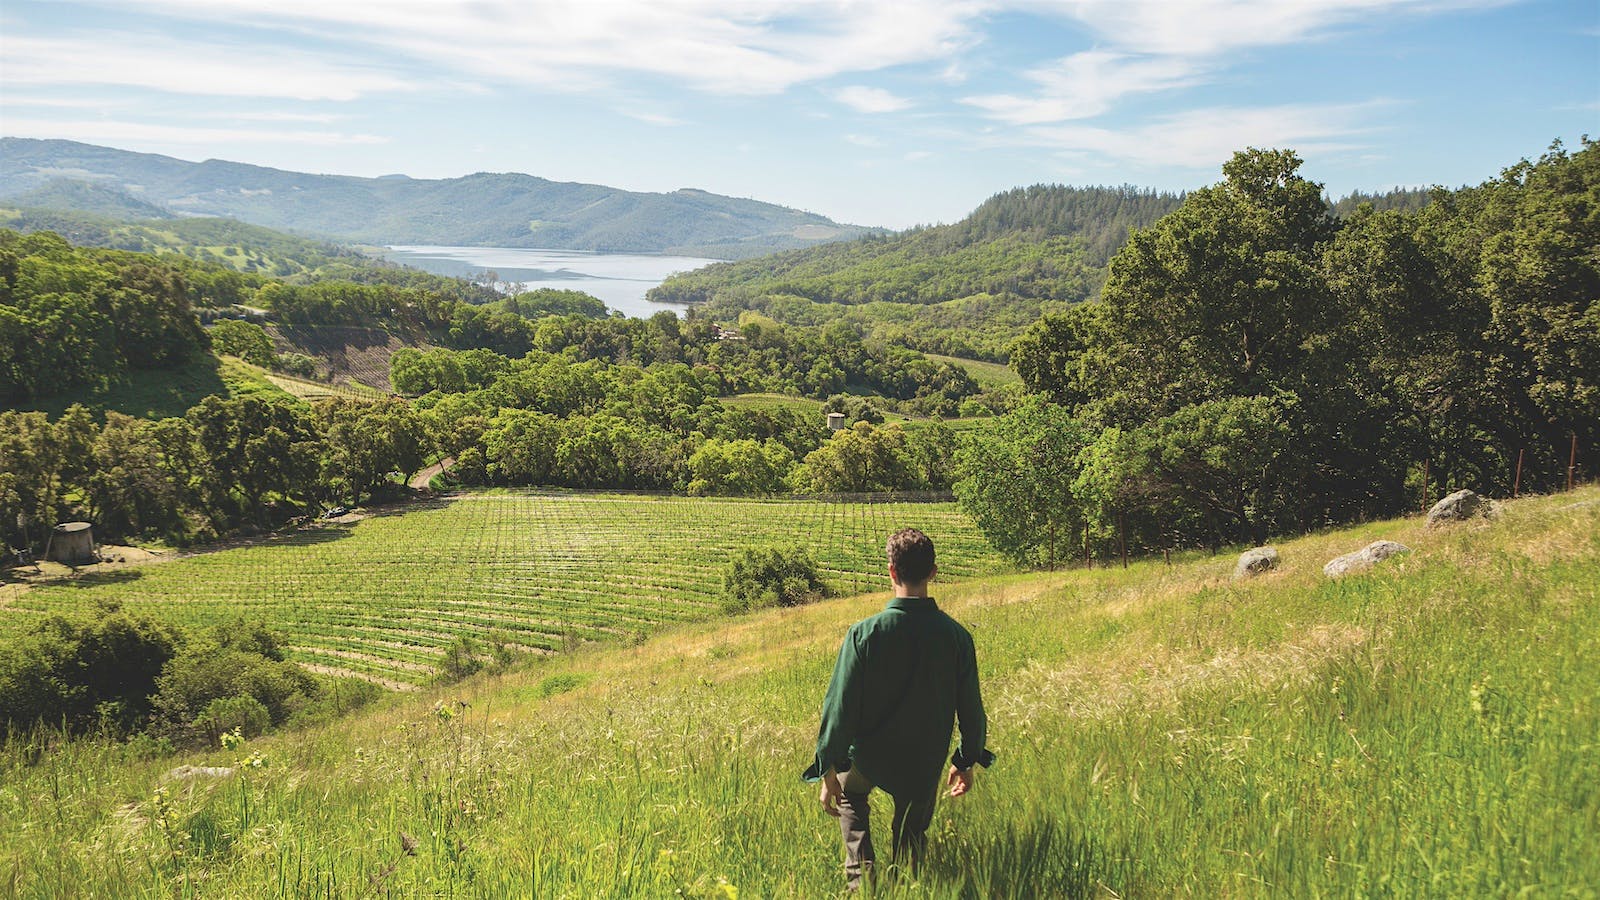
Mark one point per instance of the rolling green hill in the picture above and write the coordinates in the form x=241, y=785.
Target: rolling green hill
x=1426, y=728
x=491, y=209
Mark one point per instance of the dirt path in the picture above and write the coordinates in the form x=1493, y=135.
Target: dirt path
x=420, y=481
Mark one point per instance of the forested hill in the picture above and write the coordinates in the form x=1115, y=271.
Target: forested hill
x=965, y=289
x=1038, y=242
x=486, y=209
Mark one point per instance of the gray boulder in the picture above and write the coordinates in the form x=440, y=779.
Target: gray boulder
x=1461, y=506
x=1363, y=559
x=1257, y=561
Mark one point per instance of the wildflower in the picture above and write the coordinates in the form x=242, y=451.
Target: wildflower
x=233, y=740
x=727, y=890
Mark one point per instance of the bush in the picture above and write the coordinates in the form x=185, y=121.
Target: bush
x=224, y=714
x=230, y=662
x=460, y=660
x=296, y=364
x=98, y=672
x=246, y=340
x=772, y=576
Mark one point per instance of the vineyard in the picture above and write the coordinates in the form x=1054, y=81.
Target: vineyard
x=381, y=598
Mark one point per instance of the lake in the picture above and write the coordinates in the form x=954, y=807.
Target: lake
x=620, y=280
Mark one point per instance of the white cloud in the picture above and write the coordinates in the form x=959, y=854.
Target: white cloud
x=1206, y=138
x=862, y=140
x=1150, y=46
x=279, y=116
x=1086, y=84
x=652, y=118
x=870, y=99
x=1215, y=27
x=101, y=132
x=163, y=64
x=721, y=46
x=917, y=155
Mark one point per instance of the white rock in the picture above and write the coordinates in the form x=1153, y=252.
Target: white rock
x=1363, y=559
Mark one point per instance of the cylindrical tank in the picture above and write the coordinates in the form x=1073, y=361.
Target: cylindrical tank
x=73, y=543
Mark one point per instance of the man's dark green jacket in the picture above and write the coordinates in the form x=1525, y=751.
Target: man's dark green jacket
x=902, y=679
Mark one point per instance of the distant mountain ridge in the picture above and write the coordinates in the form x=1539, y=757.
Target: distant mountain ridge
x=483, y=209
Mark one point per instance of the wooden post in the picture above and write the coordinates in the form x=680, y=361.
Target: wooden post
x=1572, y=460
x=1088, y=561
x=1122, y=536
x=1516, y=484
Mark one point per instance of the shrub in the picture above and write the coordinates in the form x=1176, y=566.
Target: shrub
x=224, y=714
x=459, y=660
x=560, y=684
x=771, y=576
x=229, y=662
x=246, y=340
x=83, y=673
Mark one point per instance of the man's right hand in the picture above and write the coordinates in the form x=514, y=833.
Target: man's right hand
x=960, y=782
x=831, y=791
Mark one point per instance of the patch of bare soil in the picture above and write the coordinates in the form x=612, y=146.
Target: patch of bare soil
x=363, y=676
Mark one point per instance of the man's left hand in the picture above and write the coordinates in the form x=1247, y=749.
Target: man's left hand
x=960, y=782
x=831, y=791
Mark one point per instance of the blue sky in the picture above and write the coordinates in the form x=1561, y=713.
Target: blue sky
x=887, y=112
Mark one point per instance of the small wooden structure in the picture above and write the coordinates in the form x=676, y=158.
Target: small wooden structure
x=72, y=543
x=836, y=421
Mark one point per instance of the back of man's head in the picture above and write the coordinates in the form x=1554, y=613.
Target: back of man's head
x=911, y=554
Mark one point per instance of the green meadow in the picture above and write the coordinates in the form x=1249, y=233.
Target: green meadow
x=1429, y=728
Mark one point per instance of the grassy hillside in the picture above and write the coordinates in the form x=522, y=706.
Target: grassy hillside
x=159, y=393
x=1424, y=729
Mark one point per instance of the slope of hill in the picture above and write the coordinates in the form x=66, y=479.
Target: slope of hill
x=1424, y=728
x=492, y=209
x=965, y=289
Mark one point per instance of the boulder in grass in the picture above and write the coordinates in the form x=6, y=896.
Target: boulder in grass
x=1461, y=506
x=1256, y=561
x=1363, y=559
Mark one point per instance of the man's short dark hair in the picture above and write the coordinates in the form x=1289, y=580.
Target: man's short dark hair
x=911, y=554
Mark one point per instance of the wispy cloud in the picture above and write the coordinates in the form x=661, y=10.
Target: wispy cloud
x=1205, y=138
x=1149, y=46
x=163, y=64
x=870, y=99
x=102, y=131
x=281, y=116
x=721, y=46
x=1086, y=84
x=652, y=118
x=863, y=140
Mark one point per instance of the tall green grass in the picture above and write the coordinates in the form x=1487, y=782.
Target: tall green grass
x=1431, y=728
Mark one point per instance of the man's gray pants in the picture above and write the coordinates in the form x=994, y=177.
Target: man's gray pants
x=908, y=829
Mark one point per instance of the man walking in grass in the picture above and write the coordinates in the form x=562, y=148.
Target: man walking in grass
x=903, y=678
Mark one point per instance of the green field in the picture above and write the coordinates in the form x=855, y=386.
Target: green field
x=381, y=598
x=988, y=375
x=1427, y=729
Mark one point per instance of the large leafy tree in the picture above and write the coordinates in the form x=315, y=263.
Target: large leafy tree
x=1222, y=297
x=1015, y=481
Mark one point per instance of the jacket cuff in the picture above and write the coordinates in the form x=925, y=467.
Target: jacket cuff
x=818, y=768
x=983, y=758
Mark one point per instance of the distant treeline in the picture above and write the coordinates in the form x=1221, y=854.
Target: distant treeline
x=1256, y=366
